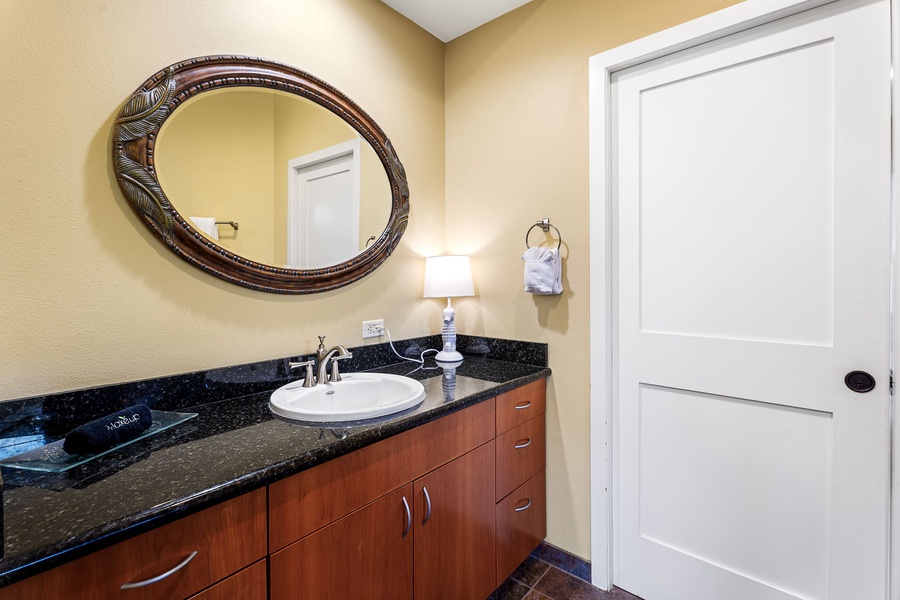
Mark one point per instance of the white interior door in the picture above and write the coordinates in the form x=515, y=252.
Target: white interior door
x=323, y=207
x=751, y=236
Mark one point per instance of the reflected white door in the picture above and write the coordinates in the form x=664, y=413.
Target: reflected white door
x=323, y=207
x=752, y=233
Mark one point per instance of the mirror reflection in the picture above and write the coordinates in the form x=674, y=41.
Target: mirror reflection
x=305, y=189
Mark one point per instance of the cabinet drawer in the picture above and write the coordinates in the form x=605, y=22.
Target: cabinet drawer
x=520, y=405
x=520, y=454
x=226, y=538
x=314, y=498
x=249, y=584
x=521, y=524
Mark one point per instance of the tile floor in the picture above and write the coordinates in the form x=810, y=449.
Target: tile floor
x=537, y=580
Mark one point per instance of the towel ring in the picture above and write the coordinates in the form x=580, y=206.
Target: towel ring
x=545, y=225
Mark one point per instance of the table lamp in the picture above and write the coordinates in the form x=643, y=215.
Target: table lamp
x=448, y=277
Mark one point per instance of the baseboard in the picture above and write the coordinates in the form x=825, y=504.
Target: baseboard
x=563, y=560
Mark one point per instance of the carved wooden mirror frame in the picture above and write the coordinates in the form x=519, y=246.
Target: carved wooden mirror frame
x=134, y=137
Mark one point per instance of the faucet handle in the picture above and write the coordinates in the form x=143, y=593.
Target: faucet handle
x=309, y=380
x=335, y=372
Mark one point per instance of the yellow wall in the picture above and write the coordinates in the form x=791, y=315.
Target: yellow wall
x=374, y=197
x=517, y=151
x=214, y=158
x=87, y=295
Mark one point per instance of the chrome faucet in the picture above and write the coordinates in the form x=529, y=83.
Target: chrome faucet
x=310, y=379
x=323, y=356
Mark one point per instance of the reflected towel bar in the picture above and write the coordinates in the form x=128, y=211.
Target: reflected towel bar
x=232, y=223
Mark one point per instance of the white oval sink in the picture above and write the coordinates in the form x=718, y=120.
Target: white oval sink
x=359, y=396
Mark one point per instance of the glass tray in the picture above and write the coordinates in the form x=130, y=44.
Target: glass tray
x=53, y=459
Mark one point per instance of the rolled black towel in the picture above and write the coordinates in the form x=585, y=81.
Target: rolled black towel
x=104, y=433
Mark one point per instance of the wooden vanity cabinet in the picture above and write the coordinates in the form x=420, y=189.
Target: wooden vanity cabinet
x=474, y=484
x=366, y=555
x=521, y=510
x=455, y=545
x=248, y=584
x=311, y=499
x=226, y=538
x=369, y=550
x=444, y=511
x=433, y=538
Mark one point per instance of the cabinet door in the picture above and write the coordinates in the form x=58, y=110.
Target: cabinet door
x=367, y=555
x=455, y=548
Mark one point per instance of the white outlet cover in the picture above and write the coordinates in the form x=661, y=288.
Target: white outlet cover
x=373, y=323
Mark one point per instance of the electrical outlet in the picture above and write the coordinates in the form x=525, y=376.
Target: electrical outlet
x=373, y=328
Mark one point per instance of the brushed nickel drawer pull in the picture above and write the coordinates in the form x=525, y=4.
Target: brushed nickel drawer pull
x=524, y=444
x=526, y=507
x=428, y=507
x=408, y=517
x=178, y=567
x=522, y=405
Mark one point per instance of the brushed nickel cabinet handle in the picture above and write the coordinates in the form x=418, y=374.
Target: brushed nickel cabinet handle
x=522, y=405
x=526, y=507
x=427, y=505
x=524, y=444
x=158, y=578
x=408, y=517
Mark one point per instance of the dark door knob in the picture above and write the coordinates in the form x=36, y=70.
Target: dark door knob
x=860, y=381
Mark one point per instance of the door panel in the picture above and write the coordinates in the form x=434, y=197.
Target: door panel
x=757, y=215
x=752, y=235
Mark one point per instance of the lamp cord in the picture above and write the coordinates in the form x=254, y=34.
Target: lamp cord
x=420, y=360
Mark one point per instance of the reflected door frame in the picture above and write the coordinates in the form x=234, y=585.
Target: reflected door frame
x=298, y=234
x=745, y=15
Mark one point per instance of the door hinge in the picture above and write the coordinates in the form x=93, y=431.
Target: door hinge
x=891, y=383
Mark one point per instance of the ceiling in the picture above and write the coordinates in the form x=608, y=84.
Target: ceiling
x=449, y=19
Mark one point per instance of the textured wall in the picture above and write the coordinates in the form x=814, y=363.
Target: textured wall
x=517, y=151
x=87, y=295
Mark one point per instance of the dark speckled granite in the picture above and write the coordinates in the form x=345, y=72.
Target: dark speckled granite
x=235, y=445
x=528, y=353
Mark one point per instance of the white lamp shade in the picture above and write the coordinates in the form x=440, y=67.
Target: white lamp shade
x=448, y=277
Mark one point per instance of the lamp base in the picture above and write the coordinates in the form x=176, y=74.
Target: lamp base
x=447, y=357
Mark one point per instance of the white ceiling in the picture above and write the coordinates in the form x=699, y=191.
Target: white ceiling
x=448, y=19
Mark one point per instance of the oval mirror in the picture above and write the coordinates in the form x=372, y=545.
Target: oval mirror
x=260, y=174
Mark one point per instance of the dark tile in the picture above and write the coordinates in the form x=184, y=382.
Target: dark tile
x=534, y=595
x=530, y=571
x=509, y=590
x=559, y=585
x=563, y=560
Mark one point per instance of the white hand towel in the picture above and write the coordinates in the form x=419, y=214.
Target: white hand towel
x=207, y=225
x=543, y=271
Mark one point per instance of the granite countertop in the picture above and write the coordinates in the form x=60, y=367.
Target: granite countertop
x=232, y=447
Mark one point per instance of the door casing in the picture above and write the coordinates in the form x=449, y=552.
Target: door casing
x=745, y=15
